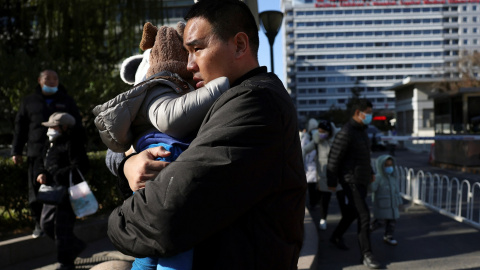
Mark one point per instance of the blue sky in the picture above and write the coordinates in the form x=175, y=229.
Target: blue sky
x=264, y=50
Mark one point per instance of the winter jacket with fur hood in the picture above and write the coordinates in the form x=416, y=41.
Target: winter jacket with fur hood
x=236, y=195
x=155, y=105
x=385, y=191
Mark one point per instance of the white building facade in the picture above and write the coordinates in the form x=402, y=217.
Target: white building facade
x=332, y=47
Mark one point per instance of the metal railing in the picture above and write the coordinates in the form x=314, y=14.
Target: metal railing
x=459, y=200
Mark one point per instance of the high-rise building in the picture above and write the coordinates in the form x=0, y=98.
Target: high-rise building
x=175, y=10
x=334, y=47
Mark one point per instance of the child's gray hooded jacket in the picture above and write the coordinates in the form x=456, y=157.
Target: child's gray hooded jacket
x=162, y=104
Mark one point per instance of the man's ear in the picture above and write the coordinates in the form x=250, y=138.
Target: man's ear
x=356, y=113
x=241, y=43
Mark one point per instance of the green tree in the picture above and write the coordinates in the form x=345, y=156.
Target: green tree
x=83, y=40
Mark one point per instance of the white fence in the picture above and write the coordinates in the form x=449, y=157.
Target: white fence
x=459, y=200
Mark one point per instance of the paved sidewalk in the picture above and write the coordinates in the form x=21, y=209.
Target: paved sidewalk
x=101, y=250
x=426, y=240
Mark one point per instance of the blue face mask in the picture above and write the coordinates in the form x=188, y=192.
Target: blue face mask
x=49, y=90
x=389, y=169
x=368, y=118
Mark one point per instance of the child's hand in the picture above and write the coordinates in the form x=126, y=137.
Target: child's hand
x=42, y=178
x=143, y=166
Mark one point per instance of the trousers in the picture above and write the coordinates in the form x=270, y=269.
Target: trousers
x=356, y=208
x=57, y=221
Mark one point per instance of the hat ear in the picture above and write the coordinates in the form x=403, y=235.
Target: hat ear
x=168, y=54
x=129, y=68
x=148, y=36
x=180, y=28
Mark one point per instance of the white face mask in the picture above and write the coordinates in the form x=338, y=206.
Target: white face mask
x=53, y=134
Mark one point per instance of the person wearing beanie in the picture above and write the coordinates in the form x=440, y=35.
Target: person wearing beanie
x=166, y=111
x=62, y=156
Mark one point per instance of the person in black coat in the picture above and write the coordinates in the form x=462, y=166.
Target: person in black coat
x=349, y=165
x=61, y=156
x=237, y=194
x=49, y=97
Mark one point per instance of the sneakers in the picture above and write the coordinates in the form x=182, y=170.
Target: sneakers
x=338, y=243
x=370, y=262
x=323, y=224
x=390, y=240
x=37, y=232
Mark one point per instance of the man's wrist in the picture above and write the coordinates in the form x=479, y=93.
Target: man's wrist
x=123, y=184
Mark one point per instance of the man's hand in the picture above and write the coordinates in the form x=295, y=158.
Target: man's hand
x=42, y=178
x=333, y=189
x=373, y=178
x=143, y=166
x=17, y=160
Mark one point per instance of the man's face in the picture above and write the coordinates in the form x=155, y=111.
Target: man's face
x=208, y=56
x=359, y=116
x=48, y=78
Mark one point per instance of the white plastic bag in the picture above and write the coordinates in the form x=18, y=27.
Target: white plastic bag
x=82, y=199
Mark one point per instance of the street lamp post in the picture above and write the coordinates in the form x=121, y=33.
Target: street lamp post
x=271, y=21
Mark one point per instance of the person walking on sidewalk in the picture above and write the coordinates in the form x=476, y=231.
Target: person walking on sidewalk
x=386, y=198
x=310, y=163
x=50, y=96
x=322, y=140
x=62, y=156
x=349, y=165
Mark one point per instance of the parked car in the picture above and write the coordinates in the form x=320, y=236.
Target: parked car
x=375, y=136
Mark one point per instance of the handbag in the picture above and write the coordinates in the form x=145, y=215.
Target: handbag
x=82, y=199
x=51, y=194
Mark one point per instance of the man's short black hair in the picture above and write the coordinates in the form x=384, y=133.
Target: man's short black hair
x=360, y=104
x=228, y=17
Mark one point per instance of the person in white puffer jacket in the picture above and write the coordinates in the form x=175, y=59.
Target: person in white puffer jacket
x=322, y=139
x=310, y=164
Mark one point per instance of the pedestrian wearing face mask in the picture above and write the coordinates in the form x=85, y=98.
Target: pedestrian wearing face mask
x=349, y=165
x=49, y=97
x=386, y=198
x=61, y=156
x=322, y=140
x=309, y=154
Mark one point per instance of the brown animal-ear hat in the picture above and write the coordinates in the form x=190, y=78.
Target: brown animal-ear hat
x=167, y=52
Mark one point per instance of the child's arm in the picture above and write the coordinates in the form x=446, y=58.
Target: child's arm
x=374, y=185
x=180, y=116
